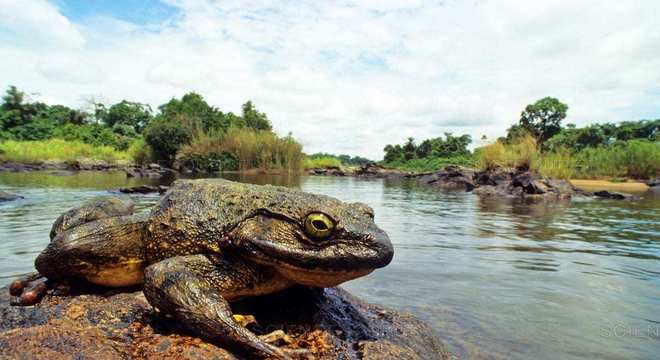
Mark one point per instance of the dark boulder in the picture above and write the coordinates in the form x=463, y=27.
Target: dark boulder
x=614, y=195
x=374, y=170
x=522, y=184
x=450, y=178
x=109, y=324
x=5, y=196
x=328, y=171
x=144, y=189
x=149, y=171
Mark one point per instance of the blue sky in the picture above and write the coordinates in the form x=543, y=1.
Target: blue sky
x=344, y=76
x=136, y=11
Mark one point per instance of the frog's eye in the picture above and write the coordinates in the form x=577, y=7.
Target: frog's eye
x=319, y=226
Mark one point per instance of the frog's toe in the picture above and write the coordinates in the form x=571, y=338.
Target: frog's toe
x=244, y=320
x=28, y=290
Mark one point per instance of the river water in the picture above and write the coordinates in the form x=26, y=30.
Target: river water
x=495, y=278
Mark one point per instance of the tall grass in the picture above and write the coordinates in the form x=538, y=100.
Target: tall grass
x=634, y=158
x=559, y=164
x=638, y=159
x=321, y=162
x=58, y=149
x=249, y=148
x=140, y=152
x=522, y=154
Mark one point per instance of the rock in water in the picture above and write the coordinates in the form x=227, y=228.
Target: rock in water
x=5, y=196
x=615, y=195
x=108, y=324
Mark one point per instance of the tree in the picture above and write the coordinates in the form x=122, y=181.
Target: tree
x=409, y=149
x=165, y=135
x=14, y=109
x=543, y=118
x=255, y=119
x=133, y=114
x=194, y=108
x=393, y=153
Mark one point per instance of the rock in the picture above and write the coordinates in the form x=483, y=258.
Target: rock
x=144, y=189
x=522, y=184
x=374, y=170
x=615, y=195
x=5, y=196
x=653, y=183
x=77, y=165
x=93, y=322
x=450, y=178
x=150, y=171
x=329, y=171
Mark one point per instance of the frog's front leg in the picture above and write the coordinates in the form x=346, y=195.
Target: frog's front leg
x=195, y=289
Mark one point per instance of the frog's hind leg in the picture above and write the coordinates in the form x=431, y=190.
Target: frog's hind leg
x=91, y=210
x=195, y=290
x=107, y=252
x=98, y=241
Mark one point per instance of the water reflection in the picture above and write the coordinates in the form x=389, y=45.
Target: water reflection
x=496, y=278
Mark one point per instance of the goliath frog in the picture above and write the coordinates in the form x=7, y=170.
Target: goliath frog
x=209, y=242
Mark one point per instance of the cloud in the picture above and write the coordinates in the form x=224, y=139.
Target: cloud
x=37, y=24
x=352, y=76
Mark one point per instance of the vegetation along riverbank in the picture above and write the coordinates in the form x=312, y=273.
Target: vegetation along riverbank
x=189, y=134
x=540, y=142
x=185, y=133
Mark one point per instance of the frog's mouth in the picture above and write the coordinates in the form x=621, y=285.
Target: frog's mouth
x=283, y=245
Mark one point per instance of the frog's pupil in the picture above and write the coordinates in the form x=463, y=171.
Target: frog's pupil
x=319, y=225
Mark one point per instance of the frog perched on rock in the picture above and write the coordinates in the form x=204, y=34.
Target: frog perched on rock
x=209, y=242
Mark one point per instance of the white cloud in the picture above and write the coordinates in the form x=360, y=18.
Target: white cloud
x=352, y=76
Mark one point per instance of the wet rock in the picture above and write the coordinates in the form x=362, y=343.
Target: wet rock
x=653, y=183
x=522, y=184
x=144, y=189
x=450, y=178
x=328, y=171
x=374, y=170
x=614, y=195
x=99, y=323
x=77, y=165
x=149, y=171
x=5, y=196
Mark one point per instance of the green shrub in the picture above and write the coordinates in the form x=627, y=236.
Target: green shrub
x=321, y=162
x=166, y=135
x=140, y=152
x=431, y=163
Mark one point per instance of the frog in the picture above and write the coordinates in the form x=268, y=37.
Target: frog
x=208, y=243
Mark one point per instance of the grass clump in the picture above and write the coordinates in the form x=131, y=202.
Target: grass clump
x=639, y=159
x=58, y=149
x=523, y=153
x=322, y=162
x=559, y=164
x=241, y=149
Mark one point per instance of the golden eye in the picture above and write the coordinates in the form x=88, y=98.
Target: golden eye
x=319, y=225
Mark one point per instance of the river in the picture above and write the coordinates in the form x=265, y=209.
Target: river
x=495, y=278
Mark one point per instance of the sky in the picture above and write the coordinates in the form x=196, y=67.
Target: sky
x=344, y=76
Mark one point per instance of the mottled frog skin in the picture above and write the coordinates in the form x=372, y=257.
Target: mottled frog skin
x=208, y=242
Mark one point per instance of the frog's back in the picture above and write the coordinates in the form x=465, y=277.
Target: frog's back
x=194, y=215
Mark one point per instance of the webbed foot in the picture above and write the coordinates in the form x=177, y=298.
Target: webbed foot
x=28, y=290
